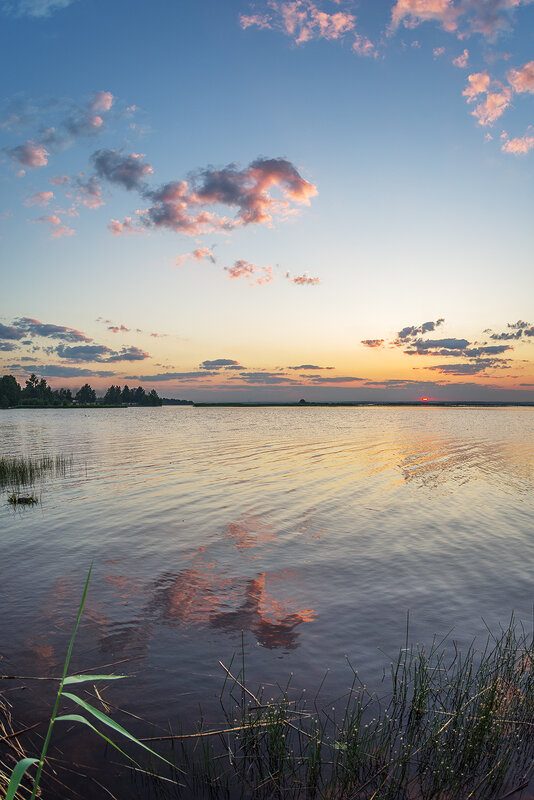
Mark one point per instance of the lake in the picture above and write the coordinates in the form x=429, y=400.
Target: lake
x=298, y=535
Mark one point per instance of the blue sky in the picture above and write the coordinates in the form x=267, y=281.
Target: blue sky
x=270, y=184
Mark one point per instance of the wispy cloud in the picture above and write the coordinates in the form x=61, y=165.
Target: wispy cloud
x=309, y=366
x=100, y=353
x=487, y=17
x=29, y=154
x=69, y=124
x=303, y=280
x=519, y=146
x=61, y=371
x=36, y=8
x=304, y=20
x=221, y=363
x=39, y=199
x=413, y=331
x=117, y=227
x=372, y=342
x=181, y=206
x=497, y=97
x=255, y=275
x=11, y=332
x=200, y=254
x=461, y=61
x=127, y=171
x=522, y=79
x=33, y=327
x=58, y=229
x=172, y=376
x=414, y=12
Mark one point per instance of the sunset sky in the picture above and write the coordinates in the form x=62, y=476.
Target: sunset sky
x=269, y=200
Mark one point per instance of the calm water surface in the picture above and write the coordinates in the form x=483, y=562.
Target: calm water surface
x=313, y=531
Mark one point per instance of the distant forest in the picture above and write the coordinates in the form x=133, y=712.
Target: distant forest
x=38, y=394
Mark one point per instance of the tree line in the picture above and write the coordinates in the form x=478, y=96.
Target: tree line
x=37, y=392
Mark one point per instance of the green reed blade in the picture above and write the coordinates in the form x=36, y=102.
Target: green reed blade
x=85, y=678
x=17, y=775
x=114, y=725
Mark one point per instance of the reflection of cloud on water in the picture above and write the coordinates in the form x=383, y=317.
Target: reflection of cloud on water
x=200, y=598
x=250, y=531
x=204, y=594
x=268, y=618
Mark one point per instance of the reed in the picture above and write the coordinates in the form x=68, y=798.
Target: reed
x=445, y=725
x=25, y=471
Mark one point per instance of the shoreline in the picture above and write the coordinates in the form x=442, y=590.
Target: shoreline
x=372, y=404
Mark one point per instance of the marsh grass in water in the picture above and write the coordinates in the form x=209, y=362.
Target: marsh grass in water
x=25, y=471
x=445, y=726
x=22, y=500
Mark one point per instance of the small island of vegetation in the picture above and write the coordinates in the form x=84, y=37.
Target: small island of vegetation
x=38, y=394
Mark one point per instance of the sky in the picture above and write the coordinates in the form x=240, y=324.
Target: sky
x=270, y=200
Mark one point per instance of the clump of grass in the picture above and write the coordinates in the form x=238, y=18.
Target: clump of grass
x=25, y=471
x=445, y=726
x=22, y=500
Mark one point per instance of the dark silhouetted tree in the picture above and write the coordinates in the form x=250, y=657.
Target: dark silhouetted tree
x=113, y=395
x=9, y=391
x=86, y=394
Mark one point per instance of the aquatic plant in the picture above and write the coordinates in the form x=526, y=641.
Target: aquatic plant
x=22, y=500
x=445, y=726
x=25, y=471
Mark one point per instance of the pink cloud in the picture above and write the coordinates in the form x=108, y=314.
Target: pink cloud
x=461, y=61
x=30, y=155
x=126, y=226
x=477, y=83
x=176, y=204
x=200, y=254
x=57, y=229
x=118, y=329
x=127, y=171
x=519, y=146
x=438, y=51
x=488, y=17
x=493, y=107
x=372, y=342
x=258, y=20
x=89, y=193
x=303, y=280
x=60, y=180
x=495, y=103
x=364, y=46
x=39, y=199
x=522, y=79
x=304, y=20
x=413, y=12
x=257, y=275
x=102, y=101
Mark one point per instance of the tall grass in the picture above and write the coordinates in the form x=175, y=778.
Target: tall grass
x=25, y=471
x=445, y=726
